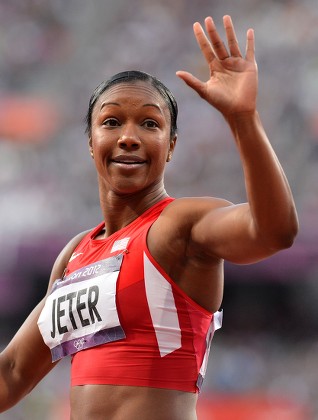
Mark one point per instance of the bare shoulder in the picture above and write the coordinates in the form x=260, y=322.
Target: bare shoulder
x=177, y=220
x=187, y=211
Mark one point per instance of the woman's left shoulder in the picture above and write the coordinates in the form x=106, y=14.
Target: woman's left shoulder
x=170, y=235
x=193, y=207
x=181, y=214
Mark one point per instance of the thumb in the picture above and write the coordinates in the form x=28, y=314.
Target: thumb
x=192, y=81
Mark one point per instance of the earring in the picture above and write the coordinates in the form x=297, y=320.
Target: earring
x=169, y=157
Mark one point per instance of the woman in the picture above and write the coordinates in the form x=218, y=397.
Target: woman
x=136, y=299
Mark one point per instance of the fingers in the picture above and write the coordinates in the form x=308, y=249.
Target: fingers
x=203, y=42
x=218, y=48
x=231, y=37
x=250, y=45
x=191, y=81
x=212, y=45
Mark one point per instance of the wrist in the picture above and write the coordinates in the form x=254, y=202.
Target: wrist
x=242, y=118
x=247, y=129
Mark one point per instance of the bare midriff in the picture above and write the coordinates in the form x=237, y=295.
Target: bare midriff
x=117, y=402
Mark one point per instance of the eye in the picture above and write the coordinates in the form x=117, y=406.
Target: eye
x=150, y=124
x=111, y=122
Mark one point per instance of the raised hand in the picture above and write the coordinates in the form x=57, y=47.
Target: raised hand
x=232, y=87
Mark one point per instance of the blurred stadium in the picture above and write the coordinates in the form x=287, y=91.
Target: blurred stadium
x=53, y=53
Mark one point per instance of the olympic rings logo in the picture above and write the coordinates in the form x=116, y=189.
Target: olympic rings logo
x=79, y=344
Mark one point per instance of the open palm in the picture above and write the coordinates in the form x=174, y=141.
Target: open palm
x=232, y=87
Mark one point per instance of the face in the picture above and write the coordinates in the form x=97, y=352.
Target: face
x=130, y=138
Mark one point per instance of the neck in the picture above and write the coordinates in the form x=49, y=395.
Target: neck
x=120, y=210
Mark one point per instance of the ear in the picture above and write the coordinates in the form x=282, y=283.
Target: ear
x=90, y=145
x=171, y=148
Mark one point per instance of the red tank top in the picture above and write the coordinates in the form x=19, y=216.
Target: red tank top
x=167, y=335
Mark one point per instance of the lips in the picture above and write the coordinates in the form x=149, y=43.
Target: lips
x=128, y=160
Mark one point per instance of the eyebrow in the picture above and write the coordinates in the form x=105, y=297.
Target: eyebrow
x=117, y=104
x=155, y=106
x=108, y=103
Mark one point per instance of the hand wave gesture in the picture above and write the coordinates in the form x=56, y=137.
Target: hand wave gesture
x=232, y=87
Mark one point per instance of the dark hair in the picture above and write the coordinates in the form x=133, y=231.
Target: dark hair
x=131, y=76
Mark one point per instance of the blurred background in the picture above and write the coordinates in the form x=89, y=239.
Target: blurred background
x=53, y=53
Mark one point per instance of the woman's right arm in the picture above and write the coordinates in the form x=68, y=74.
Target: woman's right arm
x=27, y=359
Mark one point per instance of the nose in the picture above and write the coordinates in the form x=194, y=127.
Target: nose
x=129, y=139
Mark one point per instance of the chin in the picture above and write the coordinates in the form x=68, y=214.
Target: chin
x=126, y=189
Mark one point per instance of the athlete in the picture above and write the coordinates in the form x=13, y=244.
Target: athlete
x=135, y=301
